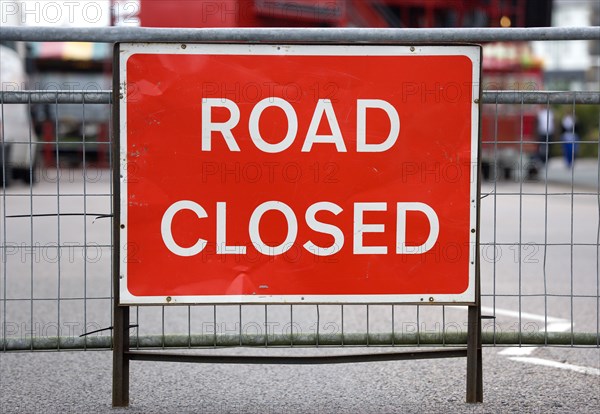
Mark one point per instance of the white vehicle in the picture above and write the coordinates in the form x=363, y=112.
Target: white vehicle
x=18, y=152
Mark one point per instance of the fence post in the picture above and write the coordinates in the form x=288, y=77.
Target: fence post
x=120, y=314
x=120, y=380
x=120, y=384
x=474, y=356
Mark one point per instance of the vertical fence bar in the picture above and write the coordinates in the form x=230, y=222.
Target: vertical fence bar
x=58, y=177
x=495, y=225
x=291, y=326
x=240, y=324
x=214, y=324
x=443, y=326
x=162, y=327
x=318, y=324
x=120, y=383
x=137, y=328
x=113, y=220
x=342, y=322
x=418, y=326
x=598, y=234
x=120, y=389
x=189, y=326
x=545, y=255
x=31, y=243
x=3, y=154
x=31, y=178
x=474, y=392
x=474, y=355
x=266, y=326
x=519, y=256
x=85, y=240
x=368, y=325
x=571, y=317
x=394, y=326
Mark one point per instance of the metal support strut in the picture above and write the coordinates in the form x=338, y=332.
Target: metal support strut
x=474, y=356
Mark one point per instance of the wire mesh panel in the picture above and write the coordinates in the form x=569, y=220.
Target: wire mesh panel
x=540, y=211
x=56, y=240
x=539, y=251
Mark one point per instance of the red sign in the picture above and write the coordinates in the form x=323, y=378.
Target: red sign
x=298, y=173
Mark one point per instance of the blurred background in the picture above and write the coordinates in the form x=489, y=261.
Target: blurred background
x=535, y=66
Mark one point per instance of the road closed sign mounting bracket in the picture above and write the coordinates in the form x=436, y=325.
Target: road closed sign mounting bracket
x=297, y=173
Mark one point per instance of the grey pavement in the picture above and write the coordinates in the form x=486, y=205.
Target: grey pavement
x=76, y=382
x=583, y=175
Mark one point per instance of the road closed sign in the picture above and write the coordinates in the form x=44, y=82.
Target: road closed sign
x=254, y=173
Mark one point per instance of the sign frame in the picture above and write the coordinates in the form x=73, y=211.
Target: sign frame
x=125, y=50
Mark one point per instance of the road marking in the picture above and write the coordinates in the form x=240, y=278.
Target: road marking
x=560, y=365
x=515, y=314
x=528, y=350
x=559, y=327
x=518, y=351
x=521, y=353
x=523, y=315
x=552, y=325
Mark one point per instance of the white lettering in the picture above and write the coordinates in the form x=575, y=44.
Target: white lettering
x=292, y=228
x=361, y=228
x=224, y=127
x=361, y=125
x=314, y=224
x=434, y=225
x=222, y=247
x=292, y=125
x=324, y=107
x=167, y=234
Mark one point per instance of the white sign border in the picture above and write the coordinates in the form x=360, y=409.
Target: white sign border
x=126, y=50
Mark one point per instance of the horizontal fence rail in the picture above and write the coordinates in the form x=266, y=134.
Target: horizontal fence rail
x=488, y=97
x=281, y=35
x=58, y=97
x=303, y=341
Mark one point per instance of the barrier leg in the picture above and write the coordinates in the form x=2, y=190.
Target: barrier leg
x=474, y=357
x=120, y=386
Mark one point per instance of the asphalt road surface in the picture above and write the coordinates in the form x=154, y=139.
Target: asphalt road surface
x=541, y=275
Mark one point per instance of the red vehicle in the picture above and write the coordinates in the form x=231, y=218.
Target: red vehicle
x=508, y=131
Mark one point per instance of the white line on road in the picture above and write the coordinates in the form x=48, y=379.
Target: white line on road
x=559, y=327
x=528, y=350
x=521, y=354
x=524, y=315
x=554, y=364
x=557, y=324
x=518, y=351
x=553, y=325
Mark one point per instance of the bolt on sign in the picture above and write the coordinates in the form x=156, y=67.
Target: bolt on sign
x=255, y=173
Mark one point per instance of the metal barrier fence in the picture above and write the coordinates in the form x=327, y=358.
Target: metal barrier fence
x=540, y=231
x=56, y=255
